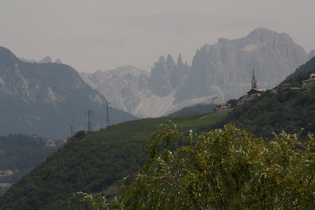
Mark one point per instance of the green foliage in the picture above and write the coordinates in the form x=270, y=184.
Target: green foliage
x=286, y=110
x=195, y=109
x=20, y=154
x=290, y=110
x=86, y=201
x=233, y=102
x=79, y=135
x=301, y=73
x=223, y=169
x=92, y=163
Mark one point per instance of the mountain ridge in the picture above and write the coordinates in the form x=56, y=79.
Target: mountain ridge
x=47, y=99
x=222, y=71
x=225, y=68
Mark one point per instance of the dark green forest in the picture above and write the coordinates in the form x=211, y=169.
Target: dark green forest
x=225, y=168
x=301, y=73
x=93, y=163
x=195, y=109
x=20, y=154
x=289, y=110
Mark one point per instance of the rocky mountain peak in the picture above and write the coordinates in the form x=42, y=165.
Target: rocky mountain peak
x=46, y=59
x=159, y=81
x=58, y=60
x=167, y=75
x=46, y=98
x=280, y=43
x=223, y=69
x=180, y=60
x=170, y=60
x=6, y=56
x=161, y=59
x=263, y=34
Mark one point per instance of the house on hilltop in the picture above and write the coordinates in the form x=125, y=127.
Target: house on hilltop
x=309, y=81
x=222, y=106
x=285, y=86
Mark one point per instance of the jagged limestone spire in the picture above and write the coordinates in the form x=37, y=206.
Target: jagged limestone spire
x=254, y=81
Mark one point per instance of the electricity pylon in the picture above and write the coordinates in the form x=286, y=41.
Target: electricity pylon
x=107, y=113
x=89, y=114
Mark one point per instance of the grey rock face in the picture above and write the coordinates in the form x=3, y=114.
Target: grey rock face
x=167, y=76
x=47, y=99
x=47, y=59
x=58, y=61
x=137, y=91
x=159, y=82
x=222, y=70
x=311, y=55
x=123, y=87
x=225, y=68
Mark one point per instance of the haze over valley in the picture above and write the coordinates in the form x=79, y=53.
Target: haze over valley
x=186, y=103
x=220, y=71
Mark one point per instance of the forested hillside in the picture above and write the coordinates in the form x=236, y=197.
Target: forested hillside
x=289, y=110
x=92, y=163
x=194, y=109
x=19, y=154
x=302, y=72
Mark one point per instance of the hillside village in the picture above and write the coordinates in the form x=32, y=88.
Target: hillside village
x=251, y=94
x=255, y=92
x=309, y=81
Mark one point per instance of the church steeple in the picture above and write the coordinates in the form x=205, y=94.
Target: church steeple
x=254, y=81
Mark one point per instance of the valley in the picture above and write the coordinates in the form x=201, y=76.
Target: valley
x=47, y=99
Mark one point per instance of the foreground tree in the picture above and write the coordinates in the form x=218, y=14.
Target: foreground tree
x=85, y=201
x=223, y=169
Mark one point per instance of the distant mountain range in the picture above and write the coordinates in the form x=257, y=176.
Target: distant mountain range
x=48, y=99
x=46, y=59
x=222, y=70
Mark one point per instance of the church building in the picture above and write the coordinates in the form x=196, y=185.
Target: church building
x=253, y=93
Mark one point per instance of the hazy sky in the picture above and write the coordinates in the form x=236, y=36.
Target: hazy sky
x=105, y=34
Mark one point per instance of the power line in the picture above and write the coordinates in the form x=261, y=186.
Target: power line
x=214, y=98
x=107, y=113
x=72, y=129
x=89, y=124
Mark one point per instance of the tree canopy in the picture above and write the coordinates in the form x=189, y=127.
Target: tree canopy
x=223, y=169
